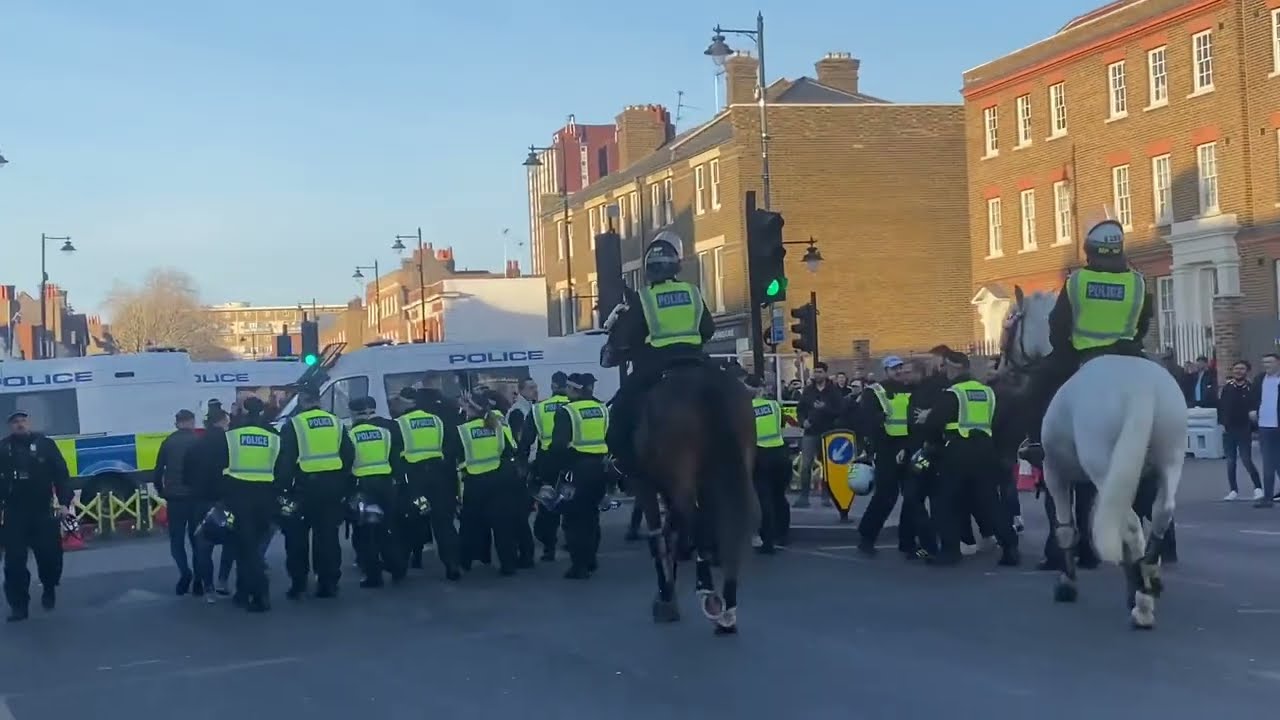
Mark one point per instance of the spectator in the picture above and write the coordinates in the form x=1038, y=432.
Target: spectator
x=184, y=509
x=1266, y=401
x=1200, y=385
x=1237, y=430
x=820, y=404
x=842, y=382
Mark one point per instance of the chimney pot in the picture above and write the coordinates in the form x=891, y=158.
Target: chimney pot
x=838, y=70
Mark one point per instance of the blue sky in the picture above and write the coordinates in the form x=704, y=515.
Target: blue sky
x=267, y=147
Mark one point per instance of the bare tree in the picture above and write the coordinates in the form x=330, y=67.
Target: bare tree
x=163, y=311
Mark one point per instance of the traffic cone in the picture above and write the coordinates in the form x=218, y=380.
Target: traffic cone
x=161, y=517
x=1027, y=476
x=72, y=542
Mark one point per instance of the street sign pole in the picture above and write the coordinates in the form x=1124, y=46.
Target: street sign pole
x=756, y=322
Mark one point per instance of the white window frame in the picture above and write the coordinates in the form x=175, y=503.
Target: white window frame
x=1027, y=211
x=1061, y=213
x=718, y=256
x=1275, y=42
x=623, y=230
x=1122, y=195
x=1208, y=188
x=637, y=216
x=595, y=304
x=1202, y=62
x=1164, y=309
x=591, y=221
x=1024, y=120
x=991, y=131
x=569, y=232
x=1117, y=91
x=560, y=243
x=655, y=205
x=715, y=184
x=1162, y=189
x=706, y=272
x=668, y=200
x=562, y=306
x=700, y=188
x=995, y=228
x=584, y=163
x=1157, y=77
x=1058, y=109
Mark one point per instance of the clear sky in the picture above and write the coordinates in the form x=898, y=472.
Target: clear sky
x=267, y=146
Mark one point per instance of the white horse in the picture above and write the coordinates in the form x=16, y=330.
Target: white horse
x=1116, y=417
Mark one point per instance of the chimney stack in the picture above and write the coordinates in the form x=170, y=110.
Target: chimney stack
x=513, y=269
x=838, y=70
x=741, y=76
x=642, y=129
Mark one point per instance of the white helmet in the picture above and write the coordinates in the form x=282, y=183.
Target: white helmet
x=672, y=239
x=862, y=477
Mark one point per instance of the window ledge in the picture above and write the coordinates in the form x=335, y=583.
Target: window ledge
x=1156, y=106
x=1022, y=146
x=996, y=256
x=1201, y=91
x=1273, y=74
x=1060, y=243
x=1114, y=118
x=988, y=156
x=1026, y=250
x=1056, y=136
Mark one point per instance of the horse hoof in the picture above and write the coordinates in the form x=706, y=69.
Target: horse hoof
x=665, y=612
x=721, y=630
x=712, y=605
x=1065, y=593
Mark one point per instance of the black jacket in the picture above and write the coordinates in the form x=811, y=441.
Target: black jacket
x=820, y=419
x=1208, y=385
x=32, y=473
x=203, y=463
x=1235, y=402
x=169, y=477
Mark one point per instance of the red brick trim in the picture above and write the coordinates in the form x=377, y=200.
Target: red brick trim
x=991, y=193
x=1057, y=175
x=1273, y=4
x=1155, y=40
x=1118, y=157
x=1027, y=183
x=1275, y=116
x=1206, y=134
x=1055, y=77
x=1159, y=147
x=1113, y=56
x=1201, y=24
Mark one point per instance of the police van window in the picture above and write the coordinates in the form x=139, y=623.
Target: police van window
x=335, y=398
x=273, y=396
x=52, y=412
x=506, y=380
x=448, y=382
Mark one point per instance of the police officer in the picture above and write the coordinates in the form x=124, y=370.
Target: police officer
x=250, y=491
x=427, y=430
x=962, y=420
x=538, y=429
x=773, y=469
x=577, y=450
x=1103, y=309
x=376, y=468
x=491, y=491
x=316, y=457
x=35, y=494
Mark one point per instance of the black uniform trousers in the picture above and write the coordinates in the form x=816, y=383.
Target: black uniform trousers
x=438, y=483
x=254, y=505
x=379, y=547
x=494, y=503
x=546, y=523
x=311, y=543
x=772, y=476
x=582, y=512
x=36, y=531
x=891, y=483
x=966, y=484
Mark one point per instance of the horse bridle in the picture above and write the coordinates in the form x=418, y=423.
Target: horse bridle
x=1018, y=362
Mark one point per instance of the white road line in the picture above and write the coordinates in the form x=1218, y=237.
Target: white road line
x=1269, y=533
x=1264, y=674
x=1258, y=611
x=234, y=667
x=6, y=713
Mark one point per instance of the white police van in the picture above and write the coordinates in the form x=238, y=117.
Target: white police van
x=230, y=382
x=382, y=371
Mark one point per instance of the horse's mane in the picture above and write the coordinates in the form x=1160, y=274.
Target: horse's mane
x=1035, y=309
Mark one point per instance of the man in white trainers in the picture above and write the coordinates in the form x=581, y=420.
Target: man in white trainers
x=1234, y=404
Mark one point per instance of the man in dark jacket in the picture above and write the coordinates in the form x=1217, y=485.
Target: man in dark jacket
x=185, y=512
x=821, y=403
x=1234, y=405
x=35, y=494
x=202, y=474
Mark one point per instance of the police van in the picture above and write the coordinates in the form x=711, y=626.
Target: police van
x=382, y=371
x=107, y=413
x=231, y=382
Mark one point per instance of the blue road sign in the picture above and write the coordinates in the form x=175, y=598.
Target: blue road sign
x=777, y=329
x=840, y=450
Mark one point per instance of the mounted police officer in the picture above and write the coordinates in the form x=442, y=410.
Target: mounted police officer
x=1103, y=309
x=538, y=429
x=577, y=451
x=376, y=467
x=431, y=476
x=316, y=457
x=672, y=326
x=250, y=490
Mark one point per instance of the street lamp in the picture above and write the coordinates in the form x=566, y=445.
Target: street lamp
x=532, y=161
x=67, y=248
x=812, y=256
x=399, y=247
x=3, y=162
x=377, y=291
x=720, y=52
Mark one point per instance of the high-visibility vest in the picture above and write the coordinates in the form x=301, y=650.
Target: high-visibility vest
x=544, y=418
x=673, y=312
x=482, y=446
x=895, y=410
x=590, y=420
x=423, y=436
x=976, y=407
x=768, y=422
x=252, y=454
x=319, y=441
x=373, y=450
x=1105, y=306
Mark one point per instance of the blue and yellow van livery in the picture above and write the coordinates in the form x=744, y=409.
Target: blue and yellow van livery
x=126, y=454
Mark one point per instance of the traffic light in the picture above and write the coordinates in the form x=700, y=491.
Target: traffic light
x=766, y=253
x=310, y=332
x=805, y=328
x=284, y=345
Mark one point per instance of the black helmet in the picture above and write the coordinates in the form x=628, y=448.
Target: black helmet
x=662, y=257
x=1104, y=245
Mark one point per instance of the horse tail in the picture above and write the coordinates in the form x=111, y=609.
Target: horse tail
x=1128, y=457
x=735, y=511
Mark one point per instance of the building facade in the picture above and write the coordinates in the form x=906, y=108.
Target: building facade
x=250, y=331
x=1163, y=114
x=24, y=335
x=577, y=156
x=878, y=186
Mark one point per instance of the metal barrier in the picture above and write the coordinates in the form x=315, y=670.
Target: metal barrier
x=106, y=516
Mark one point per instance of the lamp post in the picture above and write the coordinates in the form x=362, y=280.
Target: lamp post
x=533, y=161
x=399, y=247
x=48, y=349
x=377, y=291
x=3, y=162
x=719, y=52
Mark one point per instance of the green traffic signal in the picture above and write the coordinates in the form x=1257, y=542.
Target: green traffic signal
x=310, y=359
x=775, y=288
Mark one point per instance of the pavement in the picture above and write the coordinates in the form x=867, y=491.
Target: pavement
x=825, y=633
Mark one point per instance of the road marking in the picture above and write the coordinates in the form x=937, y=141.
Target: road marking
x=817, y=553
x=1269, y=533
x=234, y=667
x=6, y=713
x=889, y=546
x=1258, y=611
x=1264, y=674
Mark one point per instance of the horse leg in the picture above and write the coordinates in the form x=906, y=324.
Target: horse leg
x=665, y=608
x=1141, y=600
x=1061, y=489
x=736, y=517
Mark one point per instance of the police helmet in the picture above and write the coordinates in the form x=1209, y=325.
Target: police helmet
x=217, y=526
x=862, y=477
x=1105, y=238
x=662, y=257
x=363, y=511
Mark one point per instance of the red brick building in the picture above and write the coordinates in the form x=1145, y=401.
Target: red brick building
x=1163, y=111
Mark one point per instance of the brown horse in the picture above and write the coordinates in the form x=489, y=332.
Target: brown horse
x=695, y=447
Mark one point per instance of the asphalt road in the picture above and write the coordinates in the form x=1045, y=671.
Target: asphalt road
x=825, y=634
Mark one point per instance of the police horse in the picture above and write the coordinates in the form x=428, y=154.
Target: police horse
x=1116, y=417
x=695, y=448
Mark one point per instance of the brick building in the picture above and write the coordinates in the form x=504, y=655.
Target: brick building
x=250, y=331
x=879, y=186
x=1165, y=111
x=69, y=334
x=591, y=152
